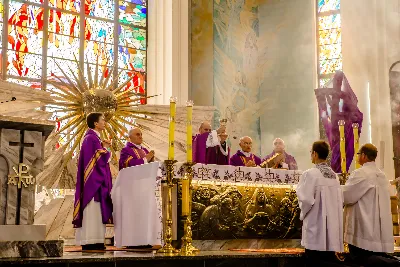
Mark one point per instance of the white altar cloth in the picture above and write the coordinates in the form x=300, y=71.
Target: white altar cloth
x=136, y=211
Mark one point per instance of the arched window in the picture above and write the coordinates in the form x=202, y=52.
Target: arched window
x=329, y=40
x=39, y=34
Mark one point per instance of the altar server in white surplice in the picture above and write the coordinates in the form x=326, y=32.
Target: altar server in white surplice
x=321, y=204
x=368, y=225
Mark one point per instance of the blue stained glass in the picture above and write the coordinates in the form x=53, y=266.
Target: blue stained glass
x=328, y=5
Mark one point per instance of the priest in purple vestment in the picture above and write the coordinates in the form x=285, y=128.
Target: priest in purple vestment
x=244, y=157
x=93, y=205
x=220, y=154
x=134, y=153
x=206, y=138
x=282, y=160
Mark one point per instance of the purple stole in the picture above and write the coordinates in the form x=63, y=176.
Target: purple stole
x=94, y=179
x=132, y=156
x=289, y=160
x=239, y=159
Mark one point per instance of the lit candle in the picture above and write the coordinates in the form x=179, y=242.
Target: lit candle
x=171, y=136
x=356, y=144
x=185, y=195
x=342, y=145
x=189, y=108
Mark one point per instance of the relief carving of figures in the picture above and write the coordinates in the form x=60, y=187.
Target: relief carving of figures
x=227, y=212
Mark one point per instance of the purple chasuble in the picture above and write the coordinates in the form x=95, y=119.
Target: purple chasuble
x=132, y=156
x=289, y=160
x=239, y=159
x=215, y=156
x=199, y=147
x=94, y=179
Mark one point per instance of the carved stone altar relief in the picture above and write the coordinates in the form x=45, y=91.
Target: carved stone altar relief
x=12, y=154
x=20, y=147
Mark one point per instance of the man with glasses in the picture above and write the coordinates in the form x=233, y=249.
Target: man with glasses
x=368, y=225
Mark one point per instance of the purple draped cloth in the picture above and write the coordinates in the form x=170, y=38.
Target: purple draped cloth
x=94, y=179
x=239, y=159
x=132, y=156
x=289, y=160
x=339, y=103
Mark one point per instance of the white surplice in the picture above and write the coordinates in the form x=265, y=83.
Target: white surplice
x=368, y=219
x=93, y=230
x=136, y=220
x=321, y=203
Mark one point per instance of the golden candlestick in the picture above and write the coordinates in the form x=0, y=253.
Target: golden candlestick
x=187, y=247
x=342, y=146
x=356, y=144
x=171, y=134
x=167, y=230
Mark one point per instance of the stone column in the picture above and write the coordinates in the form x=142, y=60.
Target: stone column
x=168, y=51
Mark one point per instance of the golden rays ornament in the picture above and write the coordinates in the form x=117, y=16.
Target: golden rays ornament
x=75, y=97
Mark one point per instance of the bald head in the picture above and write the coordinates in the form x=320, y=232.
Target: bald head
x=279, y=145
x=246, y=143
x=135, y=136
x=205, y=127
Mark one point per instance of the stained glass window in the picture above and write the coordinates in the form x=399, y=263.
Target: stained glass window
x=43, y=33
x=329, y=40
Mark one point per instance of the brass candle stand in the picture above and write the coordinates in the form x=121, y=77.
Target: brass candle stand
x=167, y=230
x=187, y=247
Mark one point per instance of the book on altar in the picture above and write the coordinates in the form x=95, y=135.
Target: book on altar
x=136, y=218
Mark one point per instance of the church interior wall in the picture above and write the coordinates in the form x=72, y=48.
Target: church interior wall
x=370, y=46
x=262, y=54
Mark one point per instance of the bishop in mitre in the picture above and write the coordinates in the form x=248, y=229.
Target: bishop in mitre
x=321, y=203
x=93, y=206
x=209, y=146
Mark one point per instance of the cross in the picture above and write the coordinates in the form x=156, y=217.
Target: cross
x=21, y=146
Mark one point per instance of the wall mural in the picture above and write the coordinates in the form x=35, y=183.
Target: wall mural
x=255, y=62
x=239, y=58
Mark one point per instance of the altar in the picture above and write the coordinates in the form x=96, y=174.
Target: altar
x=231, y=202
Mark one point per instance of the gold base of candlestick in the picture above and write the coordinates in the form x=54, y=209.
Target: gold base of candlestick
x=167, y=231
x=187, y=247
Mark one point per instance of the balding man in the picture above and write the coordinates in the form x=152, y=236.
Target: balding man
x=279, y=159
x=134, y=153
x=368, y=225
x=209, y=146
x=244, y=157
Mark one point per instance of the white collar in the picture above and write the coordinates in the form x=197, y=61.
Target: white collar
x=98, y=134
x=137, y=146
x=371, y=163
x=247, y=154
